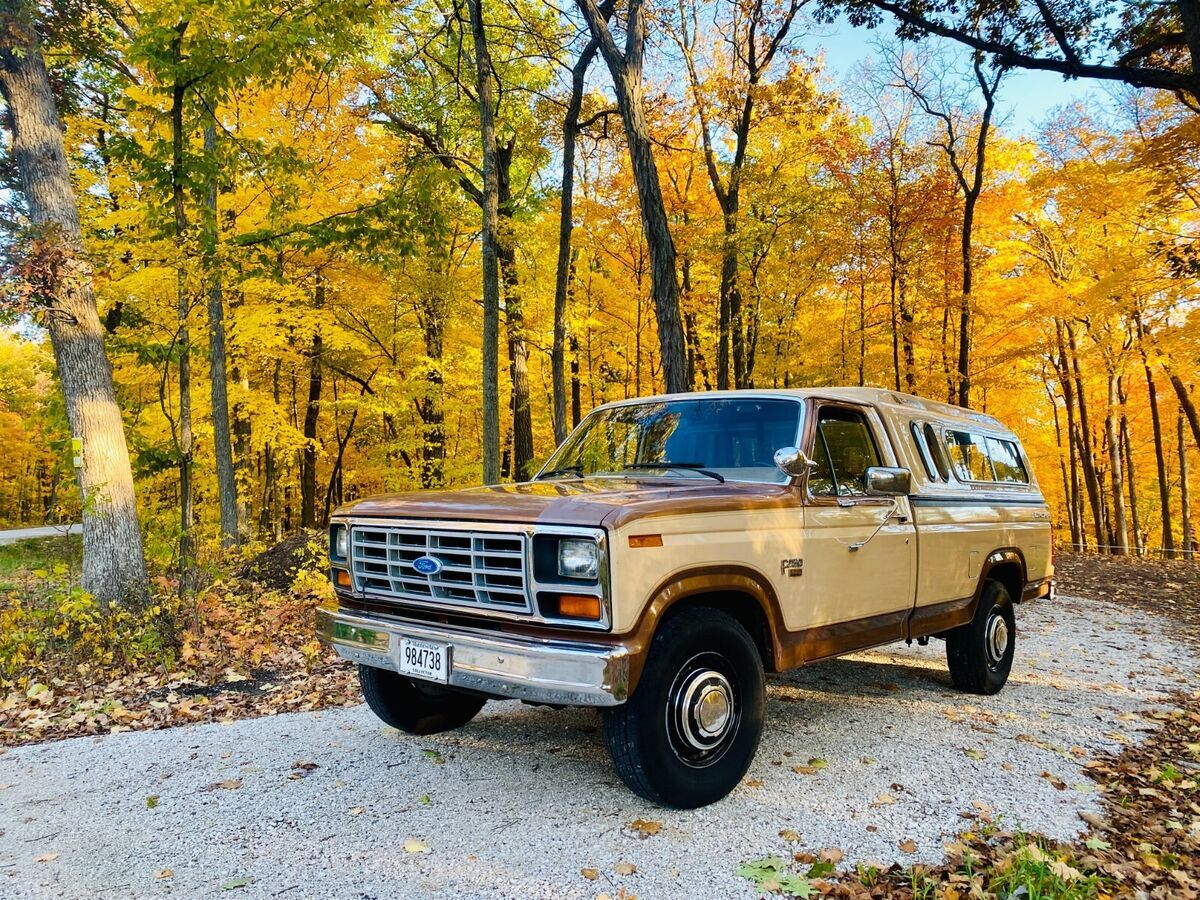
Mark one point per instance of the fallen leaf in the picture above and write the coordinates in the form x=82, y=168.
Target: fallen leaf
x=817, y=763
x=412, y=845
x=831, y=855
x=164, y=873
x=229, y=784
x=236, y=883
x=645, y=827
x=152, y=801
x=908, y=846
x=884, y=800
x=46, y=857
x=973, y=753
x=790, y=835
x=624, y=868
x=590, y=874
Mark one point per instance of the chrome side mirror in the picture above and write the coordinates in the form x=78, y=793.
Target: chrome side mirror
x=793, y=462
x=884, y=481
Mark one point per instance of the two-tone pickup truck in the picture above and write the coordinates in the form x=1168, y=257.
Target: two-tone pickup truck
x=674, y=549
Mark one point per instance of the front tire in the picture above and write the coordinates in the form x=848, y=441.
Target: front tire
x=416, y=707
x=980, y=653
x=690, y=731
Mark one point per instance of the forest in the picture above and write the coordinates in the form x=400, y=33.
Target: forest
x=331, y=249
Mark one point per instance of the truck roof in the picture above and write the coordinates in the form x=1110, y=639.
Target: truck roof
x=895, y=402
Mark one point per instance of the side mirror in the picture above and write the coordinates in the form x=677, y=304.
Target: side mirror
x=884, y=481
x=793, y=462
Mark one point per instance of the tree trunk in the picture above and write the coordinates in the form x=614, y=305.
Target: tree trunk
x=1188, y=544
x=490, y=261
x=626, y=71
x=183, y=341
x=1087, y=455
x=114, y=565
x=514, y=319
x=566, y=224
x=1160, y=460
x=312, y=414
x=1186, y=407
x=1135, y=519
x=576, y=386
x=218, y=383
x=1116, y=471
x=433, y=417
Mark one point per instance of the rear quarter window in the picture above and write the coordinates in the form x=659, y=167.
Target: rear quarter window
x=923, y=451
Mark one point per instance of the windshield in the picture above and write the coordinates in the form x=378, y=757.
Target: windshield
x=735, y=438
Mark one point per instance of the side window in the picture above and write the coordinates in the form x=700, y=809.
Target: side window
x=1006, y=462
x=935, y=450
x=968, y=455
x=923, y=451
x=843, y=450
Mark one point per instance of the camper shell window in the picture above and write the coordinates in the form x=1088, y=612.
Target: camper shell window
x=976, y=457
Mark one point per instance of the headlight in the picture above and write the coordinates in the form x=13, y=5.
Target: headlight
x=578, y=558
x=340, y=544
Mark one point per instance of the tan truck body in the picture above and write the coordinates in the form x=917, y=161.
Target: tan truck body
x=809, y=576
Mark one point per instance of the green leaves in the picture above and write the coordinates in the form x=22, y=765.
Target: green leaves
x=771, y=876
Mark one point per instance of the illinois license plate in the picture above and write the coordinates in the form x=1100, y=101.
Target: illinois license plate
x=425, y=659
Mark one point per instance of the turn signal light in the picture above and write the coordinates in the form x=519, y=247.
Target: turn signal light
x=342, y=578
x=578, y=606
x=645, y=540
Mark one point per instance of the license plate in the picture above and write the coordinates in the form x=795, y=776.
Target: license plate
x=425, y=659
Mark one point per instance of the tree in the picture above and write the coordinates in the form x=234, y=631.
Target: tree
x=1144, y=45
x=562, y=271
x=755, y=31
x=966, y=154
x=626, y=69
x=114, y=566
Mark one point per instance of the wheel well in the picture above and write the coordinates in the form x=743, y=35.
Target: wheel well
x=741, y=606
x=1008, y=574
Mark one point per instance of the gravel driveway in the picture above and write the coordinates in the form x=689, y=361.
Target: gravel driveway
x=522, y=800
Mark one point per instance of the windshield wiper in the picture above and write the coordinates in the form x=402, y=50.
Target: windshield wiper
x=689, y=466
x=577, y=471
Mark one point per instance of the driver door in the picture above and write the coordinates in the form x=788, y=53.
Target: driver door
x=859, y=550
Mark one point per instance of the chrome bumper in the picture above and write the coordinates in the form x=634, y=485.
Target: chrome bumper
x=538, y=670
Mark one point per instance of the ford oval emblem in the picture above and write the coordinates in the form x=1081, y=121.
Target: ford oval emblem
x=427, y=565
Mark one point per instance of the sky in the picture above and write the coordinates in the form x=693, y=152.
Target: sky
x=1026, y=98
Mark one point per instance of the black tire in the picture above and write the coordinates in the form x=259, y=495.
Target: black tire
x=980, y=653
x=689, y=732
x=416, y=707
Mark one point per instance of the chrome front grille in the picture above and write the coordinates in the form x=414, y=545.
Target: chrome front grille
x=478, y=569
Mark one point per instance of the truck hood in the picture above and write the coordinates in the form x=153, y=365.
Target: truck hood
x=603, y=501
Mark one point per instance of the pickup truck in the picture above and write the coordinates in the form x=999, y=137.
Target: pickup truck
x=675, y=549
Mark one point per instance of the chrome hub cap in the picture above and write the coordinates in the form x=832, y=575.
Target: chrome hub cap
x=996, y=639
x=702, y=714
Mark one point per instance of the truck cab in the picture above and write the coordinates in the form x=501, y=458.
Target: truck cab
x=676, y=549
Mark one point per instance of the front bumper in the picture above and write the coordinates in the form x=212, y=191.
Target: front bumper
x=567, y=673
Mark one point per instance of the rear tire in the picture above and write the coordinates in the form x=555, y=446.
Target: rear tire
x=416, y=707
x=690, y=731
x=980, y=653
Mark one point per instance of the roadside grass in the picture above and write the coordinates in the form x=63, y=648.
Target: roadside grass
x=21, y=561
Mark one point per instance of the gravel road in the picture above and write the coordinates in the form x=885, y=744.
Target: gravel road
x=522, y=800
